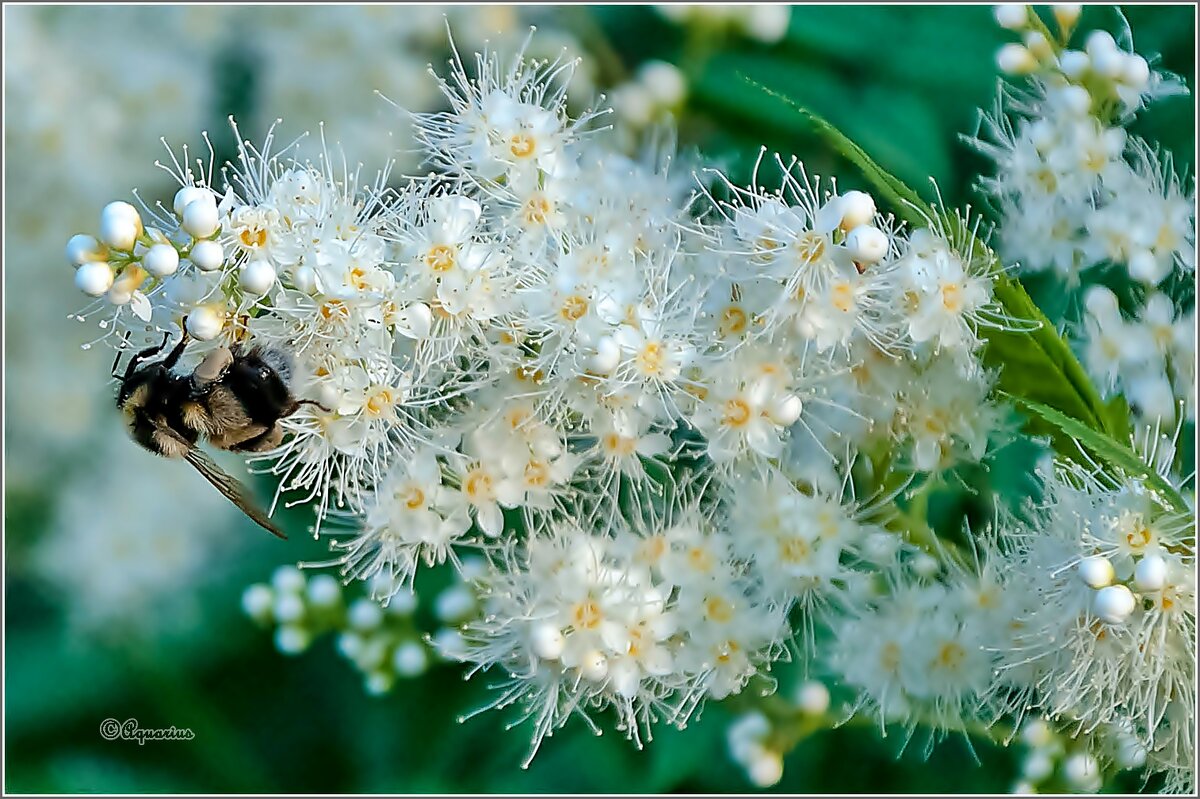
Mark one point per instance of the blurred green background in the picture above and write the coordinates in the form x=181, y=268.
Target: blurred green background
x=124, y=575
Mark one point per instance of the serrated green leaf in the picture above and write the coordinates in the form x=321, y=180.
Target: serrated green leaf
x=1112, y=453
x=1036, y=361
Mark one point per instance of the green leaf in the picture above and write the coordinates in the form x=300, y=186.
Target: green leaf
x=1037, y=362
x=1112, y=453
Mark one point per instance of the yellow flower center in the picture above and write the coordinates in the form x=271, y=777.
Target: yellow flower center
x=573, y=308
x=521, y=145
x=810, y=247
x=380, y=402
x=737, y=412
x=478, y=485
x=733, y=321
x=587, y=615
x=952, y=297
x=335, y=311
x=415, y=498
x=253, y=237
x=717, y=609
x=537, y=209
x=441, y=257
x=842, y=297
x=652, y=358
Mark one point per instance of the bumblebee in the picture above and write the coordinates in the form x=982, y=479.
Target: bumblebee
x=235, y=399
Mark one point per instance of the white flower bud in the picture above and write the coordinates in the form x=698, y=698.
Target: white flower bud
x=1114, y=603
x=867, y=244
x=607, y=357
x=547, y=641
x=1145, y=268
x=1101, y=302
x=257, y=601
x=454, y=604
x=766, y=769
x=664, y=81
x=288, y=608
x=350, y=645
x=161, y=260
x=634, y=104
x=1130, y=753
x=205, y=323
x=858, y=208
x=768, y=24
x=292, y=640
x=305, y=279
x=379, y=683
x=189, y=194
x=813, y=697
x=119, y=295
x=1135, y=72
x=1082, y=771
x=1076, y=99
x=449, y=642
x=1067, y=14
x=365, y=615
x=925, y=565
x=257, y=277
x=1043, y=135
x=402, y=603
x=83, y=249
x=94, y=278
x=410, y=659
x=119, y=232
x=787, y=411
x=288, y=579
x=1097, y=571
x=1015, y=59
x=1074, y=63
x=594, y=666
x=324, y=591
x=118, y=209
x=1012, y=16
x=1108, y=62
x=1037, y=733
x=1037, y=766
x=200, y=218
x=1150, y=574
x=1037, y=43
x=208, y=256
x=1099, y=41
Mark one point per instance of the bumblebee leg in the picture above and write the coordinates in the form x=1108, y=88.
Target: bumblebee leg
x=176, y=353
x=262, y=442
x=144, y=354
x=117, y=360
x=295, y=406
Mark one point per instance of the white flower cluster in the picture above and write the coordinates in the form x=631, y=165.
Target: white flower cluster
x=1073, y=188
x=1075, y=191
x=651, y=403
x=764, y=23
x=1149, y=358
x=1052, y=762
x=384, y=644
x=1102, y=635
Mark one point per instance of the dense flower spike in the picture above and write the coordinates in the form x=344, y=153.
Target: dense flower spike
x=669, y=430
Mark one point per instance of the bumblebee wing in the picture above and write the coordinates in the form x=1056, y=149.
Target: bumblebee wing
x=232, y=488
